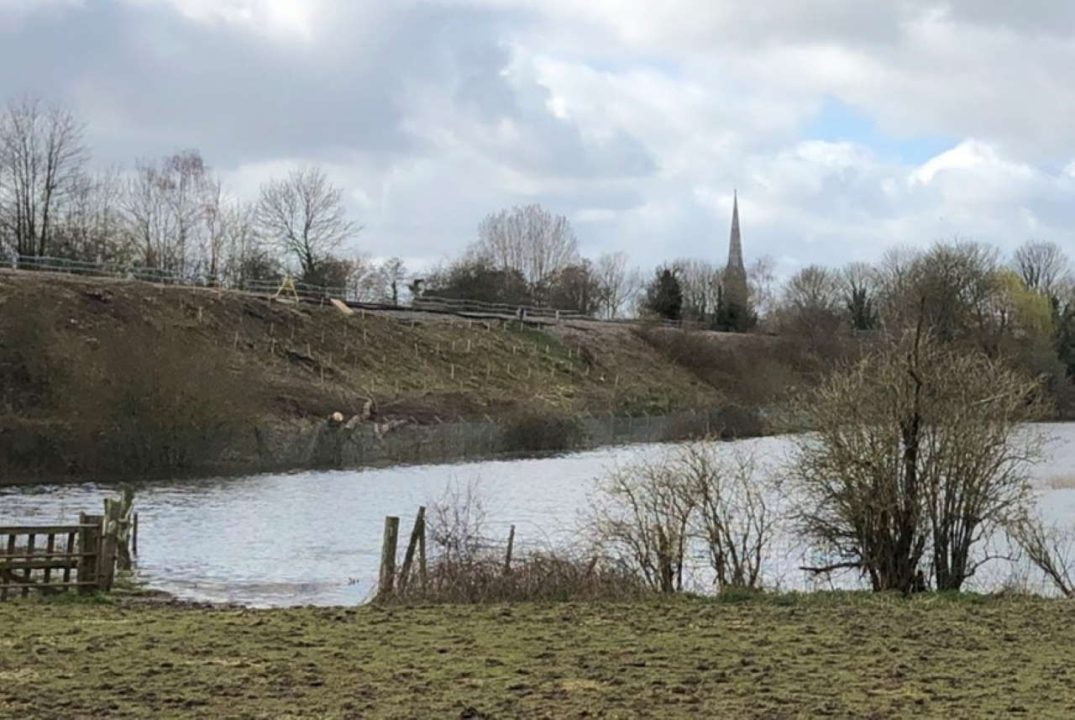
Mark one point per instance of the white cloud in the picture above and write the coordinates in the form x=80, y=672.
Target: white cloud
x=637, y=119
x=278, y=18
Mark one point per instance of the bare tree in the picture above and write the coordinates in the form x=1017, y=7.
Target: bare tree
x=173, y=209
x=1043, y=266
x=618, y=285
x=814, y=289
x=41, y=160
x=244, y=257
x=90, y=223
x=917, y=451
x=305, y=216
x=700, y=283
x=761, y=278
x=147, y=216
x=529, y=240
x=393, y=273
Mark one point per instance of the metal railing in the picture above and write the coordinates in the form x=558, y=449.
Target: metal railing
x=305, y=291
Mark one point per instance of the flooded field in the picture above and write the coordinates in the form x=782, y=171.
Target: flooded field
x=314, y=537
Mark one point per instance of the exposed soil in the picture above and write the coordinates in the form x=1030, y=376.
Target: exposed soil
x=842, y=656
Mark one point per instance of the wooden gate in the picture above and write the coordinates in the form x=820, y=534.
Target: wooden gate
x=55, y=558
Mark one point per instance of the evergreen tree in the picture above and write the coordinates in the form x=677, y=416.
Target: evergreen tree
x=664, y=295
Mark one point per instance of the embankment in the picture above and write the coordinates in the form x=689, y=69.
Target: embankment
x=104, y=376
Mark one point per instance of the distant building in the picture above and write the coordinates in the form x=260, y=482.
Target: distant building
x=734, y=291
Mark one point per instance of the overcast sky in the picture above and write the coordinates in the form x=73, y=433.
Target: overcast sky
x=847, y=126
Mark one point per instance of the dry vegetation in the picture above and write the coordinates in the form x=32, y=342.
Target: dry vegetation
x=83, y=360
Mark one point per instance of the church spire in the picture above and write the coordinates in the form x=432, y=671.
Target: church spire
x=735, y=244
x=734, y=284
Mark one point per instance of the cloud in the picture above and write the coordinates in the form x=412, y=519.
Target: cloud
x=845, y=126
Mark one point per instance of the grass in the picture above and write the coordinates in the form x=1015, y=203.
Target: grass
x=787, y=656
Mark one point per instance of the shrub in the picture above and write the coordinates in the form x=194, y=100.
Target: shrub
x=535, y=432
x=916, y=453
x=153, y=402
x=537, y=577
x=466, y=567
x=695, y=499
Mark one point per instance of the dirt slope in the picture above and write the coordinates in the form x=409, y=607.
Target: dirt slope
x=306, y=360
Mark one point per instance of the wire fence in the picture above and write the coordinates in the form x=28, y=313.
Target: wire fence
x=126, y=271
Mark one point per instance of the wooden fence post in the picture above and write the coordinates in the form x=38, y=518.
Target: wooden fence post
x=89, y=548
x=134, y=535
x=417, y=531
x=106, y=565
x=388, y=556
x=422, y=554
x=511, y=546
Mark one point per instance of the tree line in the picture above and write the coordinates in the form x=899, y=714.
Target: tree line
x=172, y=214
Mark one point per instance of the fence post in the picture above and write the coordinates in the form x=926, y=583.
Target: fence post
x=89, y=549
x=106, y=562
x=388, y=556
x=422, y=554
x=511, y=546
x=418, y=530
x=134, y=535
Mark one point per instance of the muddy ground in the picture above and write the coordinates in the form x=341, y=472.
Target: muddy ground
x=781, y=657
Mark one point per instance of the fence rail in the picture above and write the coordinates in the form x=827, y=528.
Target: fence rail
x=305, y=291
x=56, y=558
x=49, y=558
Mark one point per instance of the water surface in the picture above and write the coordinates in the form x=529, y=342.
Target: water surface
x=314, y=537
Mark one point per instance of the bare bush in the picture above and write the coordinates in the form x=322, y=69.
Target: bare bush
x=456, y=522
x=651, y=514
x=642, y=516
x=1049, y=549
x=734, y=517
x=537, y=577
x=467, y=567
x=917, y=454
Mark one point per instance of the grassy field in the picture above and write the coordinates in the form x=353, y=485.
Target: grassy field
x=783, y=657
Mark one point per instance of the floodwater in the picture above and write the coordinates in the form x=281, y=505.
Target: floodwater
x=314, y=537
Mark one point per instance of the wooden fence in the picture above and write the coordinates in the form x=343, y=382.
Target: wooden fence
x=51, y=559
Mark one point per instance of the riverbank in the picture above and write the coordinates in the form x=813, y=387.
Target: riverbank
x=115, y=377
x=835, y=655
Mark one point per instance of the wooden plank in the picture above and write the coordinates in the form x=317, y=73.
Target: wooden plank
x=89, y=543
x=4, y=557
x=39, y=529
x=4, y=579
x=55, y=564
x=70, y=551
x=50, y=547
x=28, y=572
x=341, y=307
x=31, y=586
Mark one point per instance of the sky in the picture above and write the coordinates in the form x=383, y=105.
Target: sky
x=846, y=127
